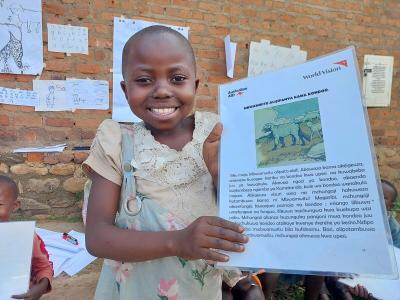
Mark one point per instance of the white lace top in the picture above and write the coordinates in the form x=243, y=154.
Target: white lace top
x=176, y=180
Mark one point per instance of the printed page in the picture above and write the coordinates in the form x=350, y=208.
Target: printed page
x=16, y=254
x=21, y=41
x=297, y=171
x=377, y=81
x=123, y=30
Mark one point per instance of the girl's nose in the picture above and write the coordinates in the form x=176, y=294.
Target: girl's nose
x=161, y=90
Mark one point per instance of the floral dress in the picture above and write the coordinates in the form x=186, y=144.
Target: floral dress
x=161, y=189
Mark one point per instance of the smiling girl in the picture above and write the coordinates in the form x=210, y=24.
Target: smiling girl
x=152, y=204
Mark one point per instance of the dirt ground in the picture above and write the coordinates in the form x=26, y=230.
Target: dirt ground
x=80, y=286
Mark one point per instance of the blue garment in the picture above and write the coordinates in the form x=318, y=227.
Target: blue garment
x=395, y=231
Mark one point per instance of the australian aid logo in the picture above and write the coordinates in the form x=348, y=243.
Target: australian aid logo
x=238, y=92
x=337, y=66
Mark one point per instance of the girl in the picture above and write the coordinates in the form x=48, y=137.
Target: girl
x=152, y=187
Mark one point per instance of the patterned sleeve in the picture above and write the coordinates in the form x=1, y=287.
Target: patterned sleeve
x=42, y=267
x=105, y=152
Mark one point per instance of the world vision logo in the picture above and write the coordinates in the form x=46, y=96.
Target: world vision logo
x=238, y=92
x=338, y=67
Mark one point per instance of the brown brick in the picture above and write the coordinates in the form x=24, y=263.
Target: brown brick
x=55, y=9
x=80, y=157
x=88, y=68
x=4, y=120
x=59, y=122
x=35, y=157
x=31, y=120
x=58, y=65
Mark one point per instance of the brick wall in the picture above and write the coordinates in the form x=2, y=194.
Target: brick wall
x=317, y=26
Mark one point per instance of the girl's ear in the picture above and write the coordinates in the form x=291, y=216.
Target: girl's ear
x=123, y=86
x=17, y=205
x=196, y=84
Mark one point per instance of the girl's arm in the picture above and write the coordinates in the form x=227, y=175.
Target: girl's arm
x=104, y=239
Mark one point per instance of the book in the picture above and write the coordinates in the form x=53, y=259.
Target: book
x=299, y=173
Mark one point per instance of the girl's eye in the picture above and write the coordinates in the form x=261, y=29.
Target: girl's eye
x=143, y=80
x=178, y=78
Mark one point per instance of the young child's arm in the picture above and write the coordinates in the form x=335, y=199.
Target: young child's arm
x=41, y=274
x=197, y=241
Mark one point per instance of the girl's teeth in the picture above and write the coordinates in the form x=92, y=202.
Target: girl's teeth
x=163, y=111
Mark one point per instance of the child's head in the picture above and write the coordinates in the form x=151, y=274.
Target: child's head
x=159, y=71
x=389, y=193
x=8, y=198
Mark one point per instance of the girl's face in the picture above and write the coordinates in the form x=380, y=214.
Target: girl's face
x=160, y=82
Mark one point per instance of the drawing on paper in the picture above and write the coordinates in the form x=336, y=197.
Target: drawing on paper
x=21, y=37
x=289, y=134
x=50, y=98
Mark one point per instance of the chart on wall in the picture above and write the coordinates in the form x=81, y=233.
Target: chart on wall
x=21, y=46
x=123, y=30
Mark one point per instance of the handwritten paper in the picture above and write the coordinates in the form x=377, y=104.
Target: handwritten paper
x=68, y=39
x=18, y=97
x=52, y=95
x=230, y=53
x=16, y=253
x=123, y=30
x=21, y=41
x=265, y=57
x=377, y=81
x=88, y=94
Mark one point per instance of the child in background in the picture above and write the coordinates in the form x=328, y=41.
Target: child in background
x=152, y=203
x=41, y=267
x=390, y=194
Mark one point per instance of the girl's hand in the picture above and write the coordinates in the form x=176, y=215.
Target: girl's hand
x=360, y=291
x=36, y=291
x=210, y=152
x=204, y=236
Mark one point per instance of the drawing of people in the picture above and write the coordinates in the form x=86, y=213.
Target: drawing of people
x=50, y=98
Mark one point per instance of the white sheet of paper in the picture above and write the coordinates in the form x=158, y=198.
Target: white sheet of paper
x=15, y=257
x=230, y=53
x=21, y=30
x=307, y=197
x=67, y=39
x=380, y=288
x=82, y=259
x=88, y=94
x=18, y=97
x=55, y=148
x=65, y=256
x=52, y=95
x=377, y=81
x=265, y=57
x=123, y=30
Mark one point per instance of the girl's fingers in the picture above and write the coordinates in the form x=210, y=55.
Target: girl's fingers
x=216, y=221
x=209, y=254
x=220, y=244
x=227, y=234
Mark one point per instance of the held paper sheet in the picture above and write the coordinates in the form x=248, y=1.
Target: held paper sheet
x=297, y=171
x=15, y=257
